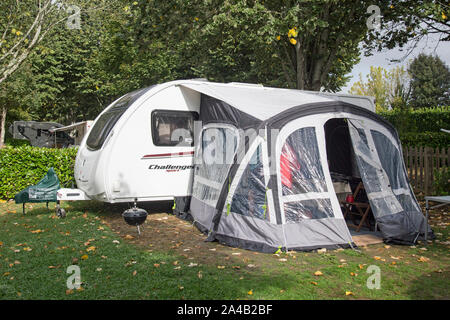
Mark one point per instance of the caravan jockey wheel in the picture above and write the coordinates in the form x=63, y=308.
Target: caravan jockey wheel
x=61, y=213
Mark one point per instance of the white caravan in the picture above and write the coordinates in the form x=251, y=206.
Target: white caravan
x=133, y=150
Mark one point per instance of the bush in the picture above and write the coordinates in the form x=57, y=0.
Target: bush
x=24, y=166
x=16, y=142
x=441, y=183
x=419, y=120
x=426, y=139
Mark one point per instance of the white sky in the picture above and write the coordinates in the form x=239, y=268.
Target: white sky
x=381, y=59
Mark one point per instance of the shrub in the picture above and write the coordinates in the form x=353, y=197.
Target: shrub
x=419, y=120
x=426, y=139
x=24, y=166
x=441, y=183
x=16, y=142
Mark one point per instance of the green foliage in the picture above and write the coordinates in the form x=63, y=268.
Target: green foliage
x=430, y=82
x=419, y=120
x=425, y=139
x=441, y=183
x=389, y=87
x=16, y=142
x=24, y=166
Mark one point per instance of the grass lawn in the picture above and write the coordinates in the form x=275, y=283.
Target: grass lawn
x=171, y=261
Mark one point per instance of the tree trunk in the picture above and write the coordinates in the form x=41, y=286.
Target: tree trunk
x=2, y=126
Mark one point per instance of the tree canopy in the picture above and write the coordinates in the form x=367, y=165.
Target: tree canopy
x=68, y=74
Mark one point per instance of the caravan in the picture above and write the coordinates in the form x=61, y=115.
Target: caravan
x=289, y=157
x=142, y=146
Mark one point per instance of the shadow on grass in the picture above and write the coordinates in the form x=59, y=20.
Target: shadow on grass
x=434, y=285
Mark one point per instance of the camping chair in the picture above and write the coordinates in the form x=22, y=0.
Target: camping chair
x=362, y=209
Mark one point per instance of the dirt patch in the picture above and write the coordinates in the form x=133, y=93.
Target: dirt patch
x=164, y=232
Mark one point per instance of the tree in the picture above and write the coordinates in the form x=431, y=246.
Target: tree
x=23, y=25
x=390, y=88
x=430, y=82
x=405, y=23
x=300, y=44
x=308, y=45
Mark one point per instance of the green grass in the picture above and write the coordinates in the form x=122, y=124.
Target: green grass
x=127, y=271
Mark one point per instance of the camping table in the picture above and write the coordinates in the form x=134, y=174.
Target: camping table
x=443, y=201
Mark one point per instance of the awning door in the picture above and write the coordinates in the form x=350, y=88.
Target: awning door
x=376, y=181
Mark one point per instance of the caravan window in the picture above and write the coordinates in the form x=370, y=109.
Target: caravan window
x=108, y=120
x=173, y=128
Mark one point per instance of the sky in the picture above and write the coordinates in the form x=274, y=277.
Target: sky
x=381, y=59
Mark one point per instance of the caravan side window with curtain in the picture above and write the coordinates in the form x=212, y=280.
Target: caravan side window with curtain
x=173, y=128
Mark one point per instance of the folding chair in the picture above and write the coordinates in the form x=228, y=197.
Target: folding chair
x=362, y=209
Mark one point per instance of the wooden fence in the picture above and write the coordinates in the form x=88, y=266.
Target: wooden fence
x=421, y=163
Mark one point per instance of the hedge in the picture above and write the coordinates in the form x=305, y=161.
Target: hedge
x=426, y=139
x=16, y=142
x=419, y=120
x=24, y=166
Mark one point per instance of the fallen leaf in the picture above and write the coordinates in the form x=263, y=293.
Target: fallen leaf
x=423, y=259
x=200, y=275
x=322, y=250
x=156, y=265
x=27, y=249
x=282, y=259
x=250, y=292
x=377, y=258
x=353, y=274
x=84, y=257
x=134, y=272
x=37, y=231
x=129, y=237
x=220, y=267
x=314, y=283
x=318, y=273
x=90, y=249
x=116, y=241
x=348, y=293
x=387, y=246
x=69, y=291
